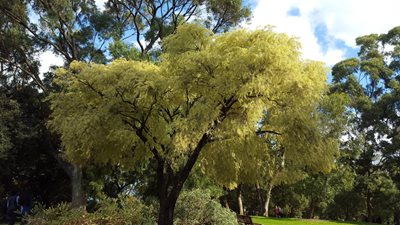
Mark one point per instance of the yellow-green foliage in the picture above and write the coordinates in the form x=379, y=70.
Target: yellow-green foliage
x=220, y=86
x=197, y=207
x=124, y=211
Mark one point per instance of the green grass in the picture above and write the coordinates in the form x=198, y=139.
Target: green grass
x=291, y=221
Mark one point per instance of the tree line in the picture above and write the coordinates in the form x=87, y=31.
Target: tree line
x=159, y=96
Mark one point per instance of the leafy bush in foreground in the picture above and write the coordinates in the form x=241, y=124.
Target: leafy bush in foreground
x=126, y=211
x=196, y=207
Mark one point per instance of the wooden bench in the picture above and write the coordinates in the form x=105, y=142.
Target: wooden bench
x=246, y=220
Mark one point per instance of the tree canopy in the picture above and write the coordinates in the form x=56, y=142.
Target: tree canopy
x=200, y=97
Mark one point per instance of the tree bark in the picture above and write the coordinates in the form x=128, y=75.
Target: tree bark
x=78, y=199
x=268, y=198
x=75, y=174
x=312, y=209
x=369, y=206
x=170, y=183
x=166, y=213
x=240, y=201
x=396, y=219
x=225, y=201
x=260, y=199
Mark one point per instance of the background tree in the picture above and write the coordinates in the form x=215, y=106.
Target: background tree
x=10, y=110
x=279, y=162
x=22, y=118
x=371, y=82
x=144, y=23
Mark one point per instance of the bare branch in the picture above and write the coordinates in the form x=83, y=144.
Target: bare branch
x=8, y=12
x=261, y=132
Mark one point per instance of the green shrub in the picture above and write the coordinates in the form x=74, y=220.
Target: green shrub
x=196, y=207
x=125, y=211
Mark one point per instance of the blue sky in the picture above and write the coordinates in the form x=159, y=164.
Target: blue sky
x=326, y=28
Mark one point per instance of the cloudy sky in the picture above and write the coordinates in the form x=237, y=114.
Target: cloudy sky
x=326, y=28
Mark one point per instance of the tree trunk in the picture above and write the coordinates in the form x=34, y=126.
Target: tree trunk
x=268, y=198
x=73, y=171
x=77, y=195
x=225, y=201
x=347, y=213
x=166, y=213
x=171, y=183
x=312, y=210
x=260, y=200
x=239, y=198
x=369, y=206
x=396, y=219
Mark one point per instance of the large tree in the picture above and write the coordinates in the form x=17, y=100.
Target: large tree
x=200, y=100
x=78, y=30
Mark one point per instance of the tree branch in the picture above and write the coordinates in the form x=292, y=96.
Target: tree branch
x=261, y=132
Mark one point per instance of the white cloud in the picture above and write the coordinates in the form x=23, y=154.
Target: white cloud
x=48, y=59
x=344, y=19
x=333, y=56
x=100, y=4
x=348, y=19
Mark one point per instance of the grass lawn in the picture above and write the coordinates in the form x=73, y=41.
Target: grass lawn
x=291, y=221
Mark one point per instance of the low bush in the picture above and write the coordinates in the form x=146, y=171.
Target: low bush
x=124, y=211
x=197, y=207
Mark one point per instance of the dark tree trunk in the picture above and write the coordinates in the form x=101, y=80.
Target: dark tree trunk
x=171, y=183
x=226, y=203
x=369, y=206
x=347, y=213
x=75, y=174
x=166, y=214
x=312, y=210
x=167, y=201
x=396, y=219
x=225, y=199
x=170, y=186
